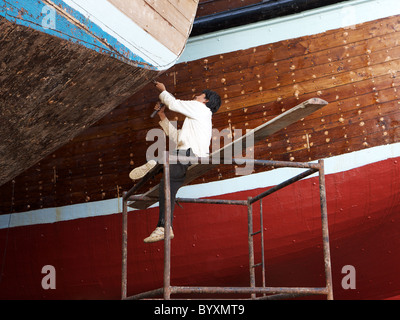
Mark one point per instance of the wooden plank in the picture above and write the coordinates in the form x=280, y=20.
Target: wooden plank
x=260, y=133
x=172, y=15
x=187, y=7
x=169, y=33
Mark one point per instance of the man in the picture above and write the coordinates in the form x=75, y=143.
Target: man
x=193, y=138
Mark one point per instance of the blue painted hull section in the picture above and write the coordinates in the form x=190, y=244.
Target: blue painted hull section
x=59, y=74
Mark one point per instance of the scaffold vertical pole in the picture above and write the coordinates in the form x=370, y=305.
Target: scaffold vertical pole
x=325, y=230
x=262, y=243
x=124, y=245
x=167, y=231
x=251, y=245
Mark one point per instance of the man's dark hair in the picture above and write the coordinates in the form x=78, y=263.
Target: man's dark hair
x=214, y=100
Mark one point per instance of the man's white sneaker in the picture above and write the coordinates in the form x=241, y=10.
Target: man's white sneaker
x=140, y=172
x=158, y=235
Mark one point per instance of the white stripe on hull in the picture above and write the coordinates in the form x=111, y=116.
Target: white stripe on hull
x=126, y=31
x=341, y=15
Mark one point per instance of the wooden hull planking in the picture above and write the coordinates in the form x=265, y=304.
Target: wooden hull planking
x=63, y=69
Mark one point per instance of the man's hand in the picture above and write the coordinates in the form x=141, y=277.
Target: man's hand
x=161, y=109
x=160, y=86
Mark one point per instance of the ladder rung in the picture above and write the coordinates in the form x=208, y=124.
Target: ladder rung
x=255, y=233
x=257, y=265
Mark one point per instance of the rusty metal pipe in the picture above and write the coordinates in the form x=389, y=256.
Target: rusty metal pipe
x=212, y=201
x=271, y=163
x=251, y=245
x=283, y=184
x=325, y=231
x=279, y=164
x=275, y=293
x=167, y=231
x=285, y=296
x=262, y=242
x=248, y=290
x=124, y=247
x=147, y=294
x=141, y=198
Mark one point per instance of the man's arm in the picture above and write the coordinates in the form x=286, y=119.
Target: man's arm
x=167, y=126
x=187, y=108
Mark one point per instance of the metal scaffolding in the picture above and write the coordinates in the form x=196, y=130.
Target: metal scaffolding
x=267, y=292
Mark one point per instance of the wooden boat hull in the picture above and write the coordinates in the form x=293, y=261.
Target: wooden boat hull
x=65, y=65
x=65, y=209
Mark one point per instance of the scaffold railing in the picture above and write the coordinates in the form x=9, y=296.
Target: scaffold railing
x=268, y=293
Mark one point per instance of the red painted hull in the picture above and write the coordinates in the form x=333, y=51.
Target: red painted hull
x=210, y=245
